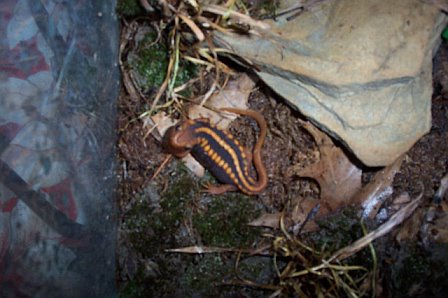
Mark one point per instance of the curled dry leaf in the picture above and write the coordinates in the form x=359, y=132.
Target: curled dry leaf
x=339, y=179
x=340, y=183
x=373, y=194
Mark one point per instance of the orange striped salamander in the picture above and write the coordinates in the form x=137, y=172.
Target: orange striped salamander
x=219, y=152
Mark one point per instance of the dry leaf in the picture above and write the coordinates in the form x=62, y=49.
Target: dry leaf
x=398, y=203
x=160, y=121
x=339, y=179
x=193, y=165
x=373, y=194
x=294, y=220
x=235, y=94
x=270, y=220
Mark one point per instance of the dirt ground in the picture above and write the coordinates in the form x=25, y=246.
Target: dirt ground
x=171, y=212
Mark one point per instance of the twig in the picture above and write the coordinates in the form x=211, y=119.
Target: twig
x=222, y=11
x=198, y=32
x=160, y=168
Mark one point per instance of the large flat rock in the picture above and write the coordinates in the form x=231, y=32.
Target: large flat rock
x=361, y=70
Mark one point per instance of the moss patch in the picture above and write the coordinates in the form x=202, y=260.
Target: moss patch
x=154, y=224
x=150, y=64
x=338, y=230
x=129, y=8
x=225, y=221
x=409, y=276
x=150, y=225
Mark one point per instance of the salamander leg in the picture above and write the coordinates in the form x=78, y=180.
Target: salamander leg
x=219, y=189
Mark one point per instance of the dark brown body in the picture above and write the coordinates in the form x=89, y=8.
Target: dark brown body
x=220, y=153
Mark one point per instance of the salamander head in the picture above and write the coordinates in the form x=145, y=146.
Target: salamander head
x=180, y=138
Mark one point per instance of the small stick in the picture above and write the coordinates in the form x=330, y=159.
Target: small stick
x=162, y=165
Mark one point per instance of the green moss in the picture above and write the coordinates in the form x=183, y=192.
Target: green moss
x=270, y=7
x=338, y=230
x=225, y=221
x=187, y=70
x=217, y=220
x=150, y=61
x=207, y=271
x=258, y=269
x=133, y=289
x=419, y=272
x=147, y=225
x=129, y=8
x=410, y=270
x=211, y=275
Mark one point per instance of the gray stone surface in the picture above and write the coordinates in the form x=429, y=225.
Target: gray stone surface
x=361, y=70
